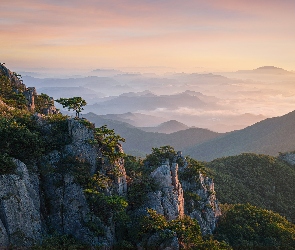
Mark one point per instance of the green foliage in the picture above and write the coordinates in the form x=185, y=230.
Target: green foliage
x=11, y=95
x=139, y=181
x=157, y=156
x=87, y=123
x=108, y=142
x=260, y=180
x=7, y=166
x=249, y=227
x=55, y=133
x=80, y=169
x=60, y=242
x=74, y=103
x=18, y=140
x=25, y=138
x=153, y=222
x=106, y=207
x=191, y=201
x=192, y=170
x=42, y=101
x=186, y=229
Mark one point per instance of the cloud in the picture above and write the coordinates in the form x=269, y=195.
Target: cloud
x=169, y=33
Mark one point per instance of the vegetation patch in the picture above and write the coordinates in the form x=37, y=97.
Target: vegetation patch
x=245, y=226
x=260, y=180
x=7, y=166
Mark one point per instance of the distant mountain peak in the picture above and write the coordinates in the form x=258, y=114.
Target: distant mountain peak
x=142, y=93
x=192, y=93
x=271, y=69
x=167, y=127
x=174, y=122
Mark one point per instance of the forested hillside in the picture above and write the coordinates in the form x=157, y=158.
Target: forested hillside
x=269, y=136
x=261, y=180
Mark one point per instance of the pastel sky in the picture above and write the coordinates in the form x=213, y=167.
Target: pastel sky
x=185, y=35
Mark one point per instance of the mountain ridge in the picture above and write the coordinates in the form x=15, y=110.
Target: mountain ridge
x=270, y=136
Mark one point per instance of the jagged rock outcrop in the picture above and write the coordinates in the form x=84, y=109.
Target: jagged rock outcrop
x=20, y=217
x=29, y=93
x=50, y=109
x=68, y=211
x=200, y=202
x=80, y=146
x=168, y=199
x=206, y=210
x=50, y=200
x=13, y=78
x=66, y=208
x=120, y=181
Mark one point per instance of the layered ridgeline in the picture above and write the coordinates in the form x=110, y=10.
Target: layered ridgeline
x=269, y=136
x=65, y=184
x=136, y=136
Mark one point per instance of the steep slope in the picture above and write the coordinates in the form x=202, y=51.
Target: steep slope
x=269, y=136
x=261, y=180
x=139, y=142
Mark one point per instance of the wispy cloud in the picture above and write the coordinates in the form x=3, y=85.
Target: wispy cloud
x=179, y=34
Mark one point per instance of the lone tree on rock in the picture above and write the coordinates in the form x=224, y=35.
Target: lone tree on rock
x=74, y=103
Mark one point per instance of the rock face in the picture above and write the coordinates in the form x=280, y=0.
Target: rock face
x=288, y=157
x=168, y=200
x=120, y=182
x=80, y=146
x=68, y=211
x=66, y=208
x=20, y=217
x=29, y=92
x=12, y=78
x=200, y=202
x=33, y=205
x=206, y=210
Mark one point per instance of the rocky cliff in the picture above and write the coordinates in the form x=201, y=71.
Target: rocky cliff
x=168, y=199
x=48, y=199
x=20, y=215
x=77, y=186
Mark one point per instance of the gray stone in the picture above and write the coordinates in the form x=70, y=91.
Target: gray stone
x=4, y=240
x=157, y=241
x=168, y=200
x=20, y=208
x=207, y=210
x=288, y=157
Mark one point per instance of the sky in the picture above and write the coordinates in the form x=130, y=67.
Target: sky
x=169, y=35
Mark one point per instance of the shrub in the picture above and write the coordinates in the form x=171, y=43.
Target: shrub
x=7, y=166
x=106, y=207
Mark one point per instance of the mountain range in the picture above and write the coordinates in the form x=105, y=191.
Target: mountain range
x=140, y=143
x=269, y=136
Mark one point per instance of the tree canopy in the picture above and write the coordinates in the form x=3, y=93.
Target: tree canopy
x=74, y=103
